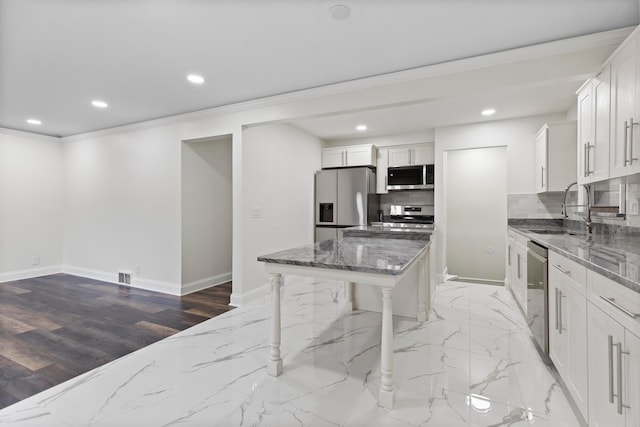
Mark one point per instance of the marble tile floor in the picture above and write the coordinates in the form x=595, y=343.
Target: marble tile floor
x=472, y=364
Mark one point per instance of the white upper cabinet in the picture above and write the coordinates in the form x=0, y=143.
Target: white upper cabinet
x=594, y=111
x=625, y=141
x=555, y=156
x=355, y=155
x=419, y=154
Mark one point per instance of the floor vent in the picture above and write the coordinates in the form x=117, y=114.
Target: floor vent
x=124, y=278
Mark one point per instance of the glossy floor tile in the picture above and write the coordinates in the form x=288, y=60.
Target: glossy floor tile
x=471, y=364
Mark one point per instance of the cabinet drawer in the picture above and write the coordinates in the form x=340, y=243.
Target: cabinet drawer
x=621, y=303
x=570, y=269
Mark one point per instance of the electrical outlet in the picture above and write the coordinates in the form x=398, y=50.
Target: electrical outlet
x=633, y=207
x=35, y=260
x=137, y=269
x=256, y=212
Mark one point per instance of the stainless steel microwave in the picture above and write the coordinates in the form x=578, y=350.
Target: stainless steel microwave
x=417, y=177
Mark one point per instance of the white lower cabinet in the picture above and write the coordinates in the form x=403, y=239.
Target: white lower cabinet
x=568, y=326
x=517, y=267
x=614, y=354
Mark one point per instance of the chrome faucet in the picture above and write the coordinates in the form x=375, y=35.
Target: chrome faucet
x=587, y=219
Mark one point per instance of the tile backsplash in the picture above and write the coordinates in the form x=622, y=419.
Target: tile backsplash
x=545, y=205
x=416, y=197
x=549, y=205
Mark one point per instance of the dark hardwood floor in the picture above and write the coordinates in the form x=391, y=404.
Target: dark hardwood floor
x=56, y=327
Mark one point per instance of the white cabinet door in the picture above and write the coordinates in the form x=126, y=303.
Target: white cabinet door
x=511, y=261
x=585, y=132
x=520, y=279
x=333, y=157
x=418, y=154
x=604, y=333
x=423, y=154
x=541, y=173
x=399, y=157
x=631, y=374
x=568, y=326
x=362, y=155
x=624, y=129
x=382, y=164
x=599, y=152
x=574, y=324
x=557, y=345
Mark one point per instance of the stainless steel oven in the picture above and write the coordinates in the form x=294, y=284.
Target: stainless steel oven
x=537, y=295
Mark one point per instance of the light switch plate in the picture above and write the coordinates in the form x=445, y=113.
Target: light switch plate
x=633, y=207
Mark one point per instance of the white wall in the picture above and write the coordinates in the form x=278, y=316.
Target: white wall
x=279, y=162
x=123, y=207
x=518, y=135
x=31, y=192
x=206, y=213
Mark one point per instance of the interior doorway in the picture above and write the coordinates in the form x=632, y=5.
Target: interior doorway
x=476, y=206
x=206, y=212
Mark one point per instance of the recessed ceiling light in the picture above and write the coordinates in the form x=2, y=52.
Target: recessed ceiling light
x=99, y=104
x=34, y=122
x=488, y=112
x=195, y=79
x=361, y=128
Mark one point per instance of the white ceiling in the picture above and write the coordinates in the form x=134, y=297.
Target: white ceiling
x=58, y=55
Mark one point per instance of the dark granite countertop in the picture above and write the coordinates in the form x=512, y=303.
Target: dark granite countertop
x=361, y=254
x=614, y=256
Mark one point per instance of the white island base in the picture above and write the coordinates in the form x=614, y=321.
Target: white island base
x=385, y=282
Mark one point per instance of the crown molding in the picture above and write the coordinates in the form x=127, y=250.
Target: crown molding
x=32, y=135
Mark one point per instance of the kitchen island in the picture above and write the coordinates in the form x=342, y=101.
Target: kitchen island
x=374, y=261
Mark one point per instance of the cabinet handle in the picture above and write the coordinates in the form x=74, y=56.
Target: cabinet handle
x=619, y=378
x=631, y=124
x=610, y=354
x=557, y=310
x=560, y=296
x=542, y=176
x=385, y=183
x=586, y=160
x=509, y=256
x=626, y=139
x=613, y=302
x=518, y=266
x=559, y=268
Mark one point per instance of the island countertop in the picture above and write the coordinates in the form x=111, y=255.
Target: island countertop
x=360, y=254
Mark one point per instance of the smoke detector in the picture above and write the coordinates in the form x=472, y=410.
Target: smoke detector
x=340, y=12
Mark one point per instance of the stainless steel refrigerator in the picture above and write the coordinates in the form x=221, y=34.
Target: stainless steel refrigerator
x=344, y=198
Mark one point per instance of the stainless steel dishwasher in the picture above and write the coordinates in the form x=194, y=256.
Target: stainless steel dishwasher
x=537, y=290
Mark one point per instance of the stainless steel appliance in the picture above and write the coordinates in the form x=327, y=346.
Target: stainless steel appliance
x=417, y=177
x=344, y=198
x=537, y=290
x=420, y=214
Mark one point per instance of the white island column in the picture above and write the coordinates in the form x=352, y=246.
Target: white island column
x=274, y=367
x=386, y=396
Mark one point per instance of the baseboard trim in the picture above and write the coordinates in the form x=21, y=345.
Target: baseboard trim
x=207, y=282
x=30, y=273
x=442, y=277
x=239, y=299
x=136, y=281
x=481, y=281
